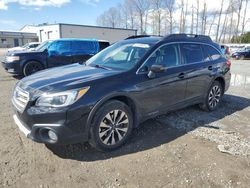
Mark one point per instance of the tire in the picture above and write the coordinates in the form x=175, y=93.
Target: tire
x=32, y=67
x=213, y=97
x=111, y=127
x=242, y=57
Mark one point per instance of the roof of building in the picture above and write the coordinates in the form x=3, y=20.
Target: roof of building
x=46, y=24
x=17, y=32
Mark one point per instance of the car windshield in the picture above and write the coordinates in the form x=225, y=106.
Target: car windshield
x=43, y=46
x=26, y=45
x=121, y=55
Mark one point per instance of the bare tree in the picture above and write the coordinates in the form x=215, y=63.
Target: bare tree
x=128, y=5
x=204, y=18
x=124, y=15
x=102, y=19
x=223, y=30
x=192, y=20
x=197, y=16
x=181, y=16
x=158, y=6
x=218, y=25
x=231, y=12
x=170, y=6
x=185, y=17
x=213, y=13
x=244, y=17
x=113, y=17
x=239, y=7
x=142, y=6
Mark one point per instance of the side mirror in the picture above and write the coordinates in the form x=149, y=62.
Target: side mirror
x=156, y=69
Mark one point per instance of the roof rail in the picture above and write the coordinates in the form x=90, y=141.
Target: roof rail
x=141, y=36
x=188, y=36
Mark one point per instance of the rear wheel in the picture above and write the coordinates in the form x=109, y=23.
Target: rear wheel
x=242, y=57
x=112, y=126
x=213, y=98
x=31, y=67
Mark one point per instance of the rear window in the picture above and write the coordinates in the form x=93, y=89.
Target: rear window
x=211, y=53
x=192, y=53
x=85, y=47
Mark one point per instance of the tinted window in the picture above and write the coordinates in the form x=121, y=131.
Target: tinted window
x=210, y=53
x=60, y=48
x=167, y=55
x=103, y=45
x=192, y=53
x=85, y=47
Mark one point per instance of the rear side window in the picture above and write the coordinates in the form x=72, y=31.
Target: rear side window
x=85, y=47
x=192, y=53
x=103, y=45
x=210, y=53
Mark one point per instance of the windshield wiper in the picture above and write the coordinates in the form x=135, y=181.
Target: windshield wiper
x=100, y=66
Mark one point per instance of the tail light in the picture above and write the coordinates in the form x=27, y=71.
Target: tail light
x=229, y=64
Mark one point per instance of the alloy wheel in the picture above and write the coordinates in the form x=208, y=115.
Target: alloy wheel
x=214, y=96
x=113, y=127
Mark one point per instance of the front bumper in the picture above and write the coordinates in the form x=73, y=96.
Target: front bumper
x=13, y=67
x=67, y=132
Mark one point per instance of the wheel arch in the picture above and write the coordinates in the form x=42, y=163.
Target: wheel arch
x=222, y=82
x=120, y=97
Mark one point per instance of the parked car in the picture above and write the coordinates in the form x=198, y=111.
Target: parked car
x=29, y=46
x=52, y=54
x=242, y=54
x=129, y=82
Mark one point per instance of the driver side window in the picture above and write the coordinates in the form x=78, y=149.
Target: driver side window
x=167, y=55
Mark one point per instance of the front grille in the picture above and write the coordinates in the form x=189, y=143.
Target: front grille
x=20, y=99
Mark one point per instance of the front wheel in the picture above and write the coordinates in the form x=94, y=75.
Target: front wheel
x=31, y=68
x=112, y=126
x=213, y=98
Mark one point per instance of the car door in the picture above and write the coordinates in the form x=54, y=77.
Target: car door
x=83, y=50
x=197, y=71
x=166, y=89
x=59, y=53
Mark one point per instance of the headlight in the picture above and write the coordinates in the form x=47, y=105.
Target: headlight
x=12, y=58
x=61, y=99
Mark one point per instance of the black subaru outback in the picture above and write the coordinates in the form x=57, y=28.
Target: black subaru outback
x=102, y=100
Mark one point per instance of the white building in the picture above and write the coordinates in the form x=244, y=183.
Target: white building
x=56, y=31
x=9, y=39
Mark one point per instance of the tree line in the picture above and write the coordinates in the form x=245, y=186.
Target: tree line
x=160, y=17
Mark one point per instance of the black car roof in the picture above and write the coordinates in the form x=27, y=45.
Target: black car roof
x=149, y=40
x=173, y=38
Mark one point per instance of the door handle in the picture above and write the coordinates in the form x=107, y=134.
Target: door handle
x=181, y=75
x=210, y=68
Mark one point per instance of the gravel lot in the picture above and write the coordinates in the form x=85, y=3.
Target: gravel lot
x=186, y=148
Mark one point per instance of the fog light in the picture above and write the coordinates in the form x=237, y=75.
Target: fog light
x=52, y=135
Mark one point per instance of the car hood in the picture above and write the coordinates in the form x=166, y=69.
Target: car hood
x=23, y=53
x=15, y=49
x=64, y=78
